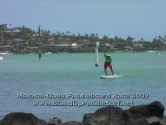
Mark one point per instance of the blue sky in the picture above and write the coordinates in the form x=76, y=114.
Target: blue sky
x=136, y=18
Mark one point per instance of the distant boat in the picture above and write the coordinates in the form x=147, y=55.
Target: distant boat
x=48, y=53
x=2, y=52
x=1, y=58
x=5, y=53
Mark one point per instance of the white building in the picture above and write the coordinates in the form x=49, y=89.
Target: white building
x=139, y=45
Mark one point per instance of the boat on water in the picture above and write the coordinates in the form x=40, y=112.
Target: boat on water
x=48, y=53
x=2, y=54
x=1, y=58
x=5, y=53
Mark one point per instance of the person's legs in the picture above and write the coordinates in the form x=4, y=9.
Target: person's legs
x=105, y=68
x=111, y=69
x=39, y=56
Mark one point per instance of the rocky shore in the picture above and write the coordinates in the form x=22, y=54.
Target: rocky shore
x=148, y=114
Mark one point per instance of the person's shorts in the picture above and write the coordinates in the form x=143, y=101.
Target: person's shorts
x=107, y=65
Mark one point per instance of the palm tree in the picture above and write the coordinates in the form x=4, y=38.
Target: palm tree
x=129, y=40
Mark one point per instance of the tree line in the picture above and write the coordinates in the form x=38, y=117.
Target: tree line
x=27, y=37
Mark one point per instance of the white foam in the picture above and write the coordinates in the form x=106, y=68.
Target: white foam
x=110, y=77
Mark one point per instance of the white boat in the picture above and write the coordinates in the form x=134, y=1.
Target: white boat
x=48, y=53
x=2, y=52
x=1, y=58
x=5, y=53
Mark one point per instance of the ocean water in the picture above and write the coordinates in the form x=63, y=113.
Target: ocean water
x=38, y=86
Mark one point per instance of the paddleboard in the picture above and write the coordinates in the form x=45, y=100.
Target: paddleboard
x=109, y=77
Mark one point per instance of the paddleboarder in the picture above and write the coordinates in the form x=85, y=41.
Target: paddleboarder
x=40, y=53
x=108, y=63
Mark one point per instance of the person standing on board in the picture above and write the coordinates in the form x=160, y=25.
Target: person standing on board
x=108, y=63
x=40, y=53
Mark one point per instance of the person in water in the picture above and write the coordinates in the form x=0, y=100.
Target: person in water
x=108, y=63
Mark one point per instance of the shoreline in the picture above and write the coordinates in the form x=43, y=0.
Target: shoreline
x=77, y=52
